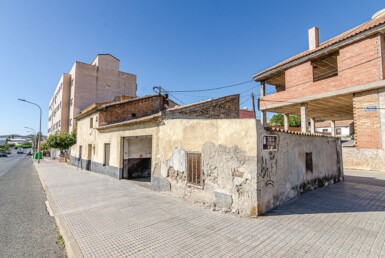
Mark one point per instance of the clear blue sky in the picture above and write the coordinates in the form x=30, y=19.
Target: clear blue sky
x=179, y=44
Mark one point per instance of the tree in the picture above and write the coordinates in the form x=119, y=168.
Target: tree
x=277, y=119
x=61, y=141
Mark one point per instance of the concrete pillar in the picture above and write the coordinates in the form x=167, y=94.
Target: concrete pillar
x=286, y=121
x=333, y=127
x=262, y=94
x=312, y=125
x=262, y=89
x=263, y=118
x=304, y=117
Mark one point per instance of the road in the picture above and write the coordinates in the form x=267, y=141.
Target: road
x=26, y=229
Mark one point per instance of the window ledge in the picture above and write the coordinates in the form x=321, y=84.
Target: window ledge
x=195, y=186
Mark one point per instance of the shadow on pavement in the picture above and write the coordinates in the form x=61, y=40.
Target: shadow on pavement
x=356, y=194
x=365, y=180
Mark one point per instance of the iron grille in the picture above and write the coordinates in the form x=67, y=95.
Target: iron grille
x=194, y=169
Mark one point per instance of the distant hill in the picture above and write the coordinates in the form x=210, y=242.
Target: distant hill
x=18, y=136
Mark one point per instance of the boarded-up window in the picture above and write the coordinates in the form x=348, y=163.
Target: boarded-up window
x=194, y=169
x=309, y=162
x=106, y=154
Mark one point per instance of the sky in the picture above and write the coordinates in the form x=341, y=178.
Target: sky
x=176, y=44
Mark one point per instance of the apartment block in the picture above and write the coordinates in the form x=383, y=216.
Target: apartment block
x=85, y=84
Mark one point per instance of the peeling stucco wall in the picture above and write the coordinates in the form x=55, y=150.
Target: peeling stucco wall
x=228, y=149
x=229, y=176
x=282, y=173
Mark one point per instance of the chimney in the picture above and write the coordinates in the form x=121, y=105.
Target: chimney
x=313, y=38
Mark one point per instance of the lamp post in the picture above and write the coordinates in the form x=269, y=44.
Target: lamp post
x=39, y=134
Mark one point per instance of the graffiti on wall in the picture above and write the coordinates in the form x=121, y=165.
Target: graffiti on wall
x=269, y=169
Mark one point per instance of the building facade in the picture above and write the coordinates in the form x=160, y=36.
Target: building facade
x=85, y=84
x=339, y=79
x=344, y=128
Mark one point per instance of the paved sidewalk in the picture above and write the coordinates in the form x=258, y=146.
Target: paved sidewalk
x=116, y=218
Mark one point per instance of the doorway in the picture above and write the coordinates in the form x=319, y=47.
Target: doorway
x=137, y=154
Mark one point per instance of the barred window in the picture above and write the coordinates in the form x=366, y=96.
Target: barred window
x=194, y=169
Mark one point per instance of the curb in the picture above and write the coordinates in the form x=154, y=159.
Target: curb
x=71, y=246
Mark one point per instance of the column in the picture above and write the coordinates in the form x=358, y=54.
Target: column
x=263, y=118
x=312, y=125
x=304, y=117
x=262, y=89
x=262, y=94
x=286, y=122
x=333, y=127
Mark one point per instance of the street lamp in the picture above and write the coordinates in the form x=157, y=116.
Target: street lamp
x=39, y=135
x=34, y=132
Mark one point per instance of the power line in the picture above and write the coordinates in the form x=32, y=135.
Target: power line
x=211, y=89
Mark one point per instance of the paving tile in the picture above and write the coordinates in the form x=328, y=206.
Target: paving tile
x=112, y=218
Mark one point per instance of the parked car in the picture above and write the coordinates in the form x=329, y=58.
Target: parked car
x=20, y=151
x=29, y=152
x=8, y=152
x=3, y=154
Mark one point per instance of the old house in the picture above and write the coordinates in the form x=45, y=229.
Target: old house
x=339, y=79
x=204, y=152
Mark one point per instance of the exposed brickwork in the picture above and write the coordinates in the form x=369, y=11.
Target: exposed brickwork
x=355, y=65
x=132, y=109
x=367, y=124
x=226, y=107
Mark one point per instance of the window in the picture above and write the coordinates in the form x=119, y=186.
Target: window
x=80, y=152
x=338, y=131
x=91, y=122
x=309, y=162
x=72, y=82
x=106, y=154
x=71, y=101
x=133, y=114
x=270, y=142
x=325, y=130
x=70, y=122
x=194, y=169
x=325, y=67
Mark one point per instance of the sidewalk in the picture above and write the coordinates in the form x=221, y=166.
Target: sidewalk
x=106, y=217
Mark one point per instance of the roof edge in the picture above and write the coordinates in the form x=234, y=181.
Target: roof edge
x=269, y=71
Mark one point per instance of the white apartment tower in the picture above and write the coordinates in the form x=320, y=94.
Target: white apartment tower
x=86, y=84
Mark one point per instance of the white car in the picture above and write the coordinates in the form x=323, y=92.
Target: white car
x=20, y=151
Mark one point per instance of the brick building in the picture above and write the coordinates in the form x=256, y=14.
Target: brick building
x=339, y=79
x=85, y=84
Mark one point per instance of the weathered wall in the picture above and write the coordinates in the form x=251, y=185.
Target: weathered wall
x=139, y=107
x=366, y=159
x=228, y=148
x=87, y=135
x=221, y=108
x=282, y=173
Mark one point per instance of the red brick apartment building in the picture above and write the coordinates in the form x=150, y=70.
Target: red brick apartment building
x=340, y=79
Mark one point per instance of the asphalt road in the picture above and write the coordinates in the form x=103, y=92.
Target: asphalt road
x=26, y=229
